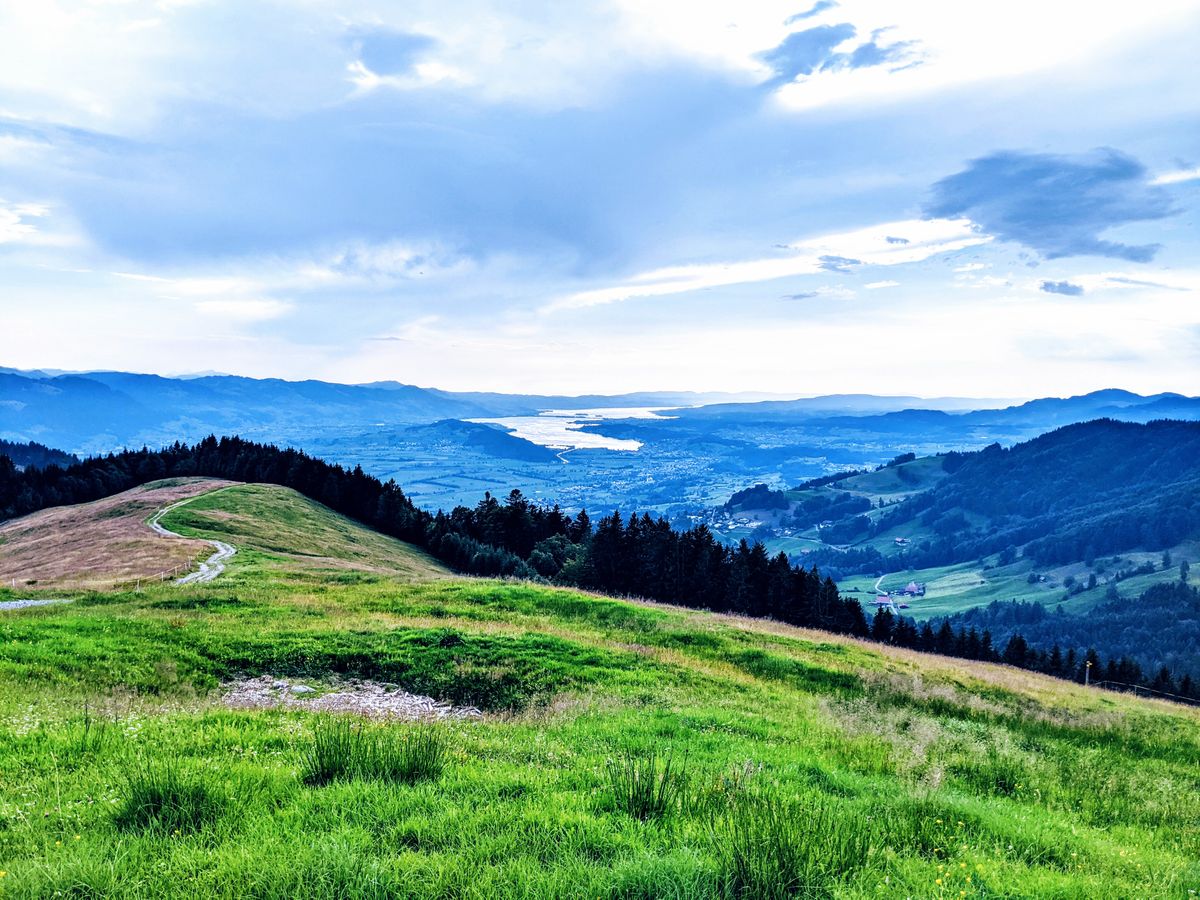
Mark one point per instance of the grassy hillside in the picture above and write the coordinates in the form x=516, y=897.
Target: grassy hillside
x=99, y=545
x=801, y=765
x=282, y=525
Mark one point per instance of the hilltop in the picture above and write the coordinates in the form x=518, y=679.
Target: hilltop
x=801, y=763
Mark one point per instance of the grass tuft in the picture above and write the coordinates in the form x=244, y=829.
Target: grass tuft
x=648, y=787
x=342, y=751
x=773, y=848
x=161, y=798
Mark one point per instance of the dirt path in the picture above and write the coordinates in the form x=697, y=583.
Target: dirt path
x=209, y=568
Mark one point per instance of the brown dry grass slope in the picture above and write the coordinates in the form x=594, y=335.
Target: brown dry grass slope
x=102, y=544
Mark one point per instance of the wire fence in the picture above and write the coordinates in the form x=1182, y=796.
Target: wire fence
x=1142, y=690
x=136, y=582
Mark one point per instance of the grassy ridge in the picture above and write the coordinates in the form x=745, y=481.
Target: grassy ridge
x=280, y=522
x=800, y=765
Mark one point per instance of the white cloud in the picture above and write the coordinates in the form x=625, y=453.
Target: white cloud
x=967, y=42
x=876, y=285
x=14, y=221
x=244, y=309
x=1178, y=176
x=867, y=246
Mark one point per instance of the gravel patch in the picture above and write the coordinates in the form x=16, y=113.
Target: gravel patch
x=25, y=604
x=364, y=698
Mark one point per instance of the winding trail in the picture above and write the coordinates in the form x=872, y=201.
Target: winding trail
x=209, y=568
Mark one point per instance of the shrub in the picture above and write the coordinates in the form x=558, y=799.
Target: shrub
x=162, y=798
x=341, y=751
x=647, y=787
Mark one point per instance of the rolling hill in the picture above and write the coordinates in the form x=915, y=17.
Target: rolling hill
x=625, y=749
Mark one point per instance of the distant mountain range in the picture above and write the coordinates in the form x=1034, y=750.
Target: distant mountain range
x=101, y=411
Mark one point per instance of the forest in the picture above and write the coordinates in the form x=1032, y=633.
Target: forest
x=1076, y=493
x=620, y=555
x=35, y=454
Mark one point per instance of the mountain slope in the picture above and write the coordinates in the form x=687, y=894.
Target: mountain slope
x=850, y=768
x=101, y=544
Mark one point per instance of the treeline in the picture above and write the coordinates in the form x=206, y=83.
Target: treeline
x=625, y=556
x=640, y=556
x=1158, y=629
x=35, y=454
x=1121, y=673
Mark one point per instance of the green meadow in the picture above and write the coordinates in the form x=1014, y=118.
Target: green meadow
x=625, y=750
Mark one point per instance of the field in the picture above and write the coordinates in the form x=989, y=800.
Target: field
x=626, y=750
x=99, y=545
x=953, y=588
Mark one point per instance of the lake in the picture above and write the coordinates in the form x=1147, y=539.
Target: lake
x=564, y=429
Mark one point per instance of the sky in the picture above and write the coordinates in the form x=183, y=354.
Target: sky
x=993, y=199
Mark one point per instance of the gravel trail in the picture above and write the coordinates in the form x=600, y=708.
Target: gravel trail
x=211, y=567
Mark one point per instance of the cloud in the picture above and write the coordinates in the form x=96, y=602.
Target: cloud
x=876, y=285
x=251, y=310
x=1057, y=205
x=14, y=221
x=831, y=263
x=388, y=52
x=874, y=54
x=866, y=246
x=1178, y=177
x=1062, y=287
x=817, y=8
x=803, y=295
x=891, y=239
x=804, y=52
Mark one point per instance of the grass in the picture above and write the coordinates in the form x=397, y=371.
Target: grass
x=288, y=526
x=157, y=797
x=342, y=750
x=100, y=545
x=799, y=764
x=771, y=848
x=647, y=786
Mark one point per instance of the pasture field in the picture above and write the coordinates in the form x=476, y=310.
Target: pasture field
x=625, y=750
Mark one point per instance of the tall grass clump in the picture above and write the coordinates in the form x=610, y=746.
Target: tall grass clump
x=341, y=751
x=647, y=786
x=89, y=737
x=773, y=848
x=162, y=798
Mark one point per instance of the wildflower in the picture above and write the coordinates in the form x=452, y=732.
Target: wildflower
x=937, y=881
x=76, y=837
x=58, y=843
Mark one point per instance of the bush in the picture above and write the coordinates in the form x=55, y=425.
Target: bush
x=341, y=751
x=162, y=798
x=647, y=787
